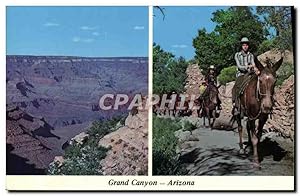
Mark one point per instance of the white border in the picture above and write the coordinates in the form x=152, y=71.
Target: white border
x=99, y=183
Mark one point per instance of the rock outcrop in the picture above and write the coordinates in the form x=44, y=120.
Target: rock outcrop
x=79, y=139
x=274, y=55
x=128, y=154
x=283, y=118
x=29, y=140
x=193, y=81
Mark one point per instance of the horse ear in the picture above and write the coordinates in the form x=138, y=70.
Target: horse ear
x=277, y=65
x=259, y=66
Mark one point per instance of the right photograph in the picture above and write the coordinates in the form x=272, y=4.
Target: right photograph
x=223, y=80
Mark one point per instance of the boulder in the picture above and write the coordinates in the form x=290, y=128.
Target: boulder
x=79, y=139
x=59, y=160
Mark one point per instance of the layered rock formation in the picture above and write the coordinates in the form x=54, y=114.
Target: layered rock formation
x=193, y=80
x=51, y=99
x=66, y=90
x=30, y=143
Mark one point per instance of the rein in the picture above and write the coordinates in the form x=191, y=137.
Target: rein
x=258, y=90
x=258, y=95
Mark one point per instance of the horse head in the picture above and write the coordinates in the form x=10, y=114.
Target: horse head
x=266, y=83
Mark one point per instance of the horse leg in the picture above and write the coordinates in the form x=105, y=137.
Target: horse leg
x=171, y=113
x=249, y=144
x=254, y=139
x=203, y=116
x=240, y=129
x=262, y=120
x=207, y=115
x=214, y=118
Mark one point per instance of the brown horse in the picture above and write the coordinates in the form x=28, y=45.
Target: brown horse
x=256, y=103
x=208, y=104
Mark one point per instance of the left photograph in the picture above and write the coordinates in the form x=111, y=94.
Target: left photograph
x=75, y=80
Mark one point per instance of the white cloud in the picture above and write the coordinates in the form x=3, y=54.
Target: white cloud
x=51, y=24
x=96, y=33
x=76, y=39
x=88, y=40
x=179, y=46
x=88, y=28
x=138, y=27
x=84, y=40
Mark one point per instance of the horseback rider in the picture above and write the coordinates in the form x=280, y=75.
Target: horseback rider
x=245, y=67
x=211, y=80
x=210, y=77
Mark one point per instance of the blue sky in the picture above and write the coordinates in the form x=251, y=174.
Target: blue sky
x=176, y=32
x=77, y=31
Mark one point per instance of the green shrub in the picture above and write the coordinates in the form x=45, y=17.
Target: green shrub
x=85, y=159
x=227, y=74
x=284, y=72
x=266, y=45
x=188, y=126
x=165, y=159
x=85, y=162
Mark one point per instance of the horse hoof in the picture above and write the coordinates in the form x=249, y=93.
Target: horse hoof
x=241, y=152
x=256, y=165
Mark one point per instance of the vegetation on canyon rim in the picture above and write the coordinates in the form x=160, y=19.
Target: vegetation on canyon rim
x=85, y=159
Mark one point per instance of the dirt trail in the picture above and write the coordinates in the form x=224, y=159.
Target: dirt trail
x=206, y=151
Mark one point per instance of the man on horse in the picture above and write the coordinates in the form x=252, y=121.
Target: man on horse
x=245, y=69
x=211, y=80
x=253, y=96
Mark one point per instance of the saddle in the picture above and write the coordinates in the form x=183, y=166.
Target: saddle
x=239, y=88
x=245, y=82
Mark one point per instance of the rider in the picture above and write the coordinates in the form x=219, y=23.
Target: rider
x=211, y=80
x=245, y=64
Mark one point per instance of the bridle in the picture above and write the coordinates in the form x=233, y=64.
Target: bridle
x=212, y=92
x=259, y=94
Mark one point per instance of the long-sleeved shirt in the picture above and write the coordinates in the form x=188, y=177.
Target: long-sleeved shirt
x=243, y=60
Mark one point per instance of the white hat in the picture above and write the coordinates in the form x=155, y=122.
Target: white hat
x=244, y=40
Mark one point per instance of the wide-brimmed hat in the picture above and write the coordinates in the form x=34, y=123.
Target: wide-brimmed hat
x=212, y=67
x=245, y=40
